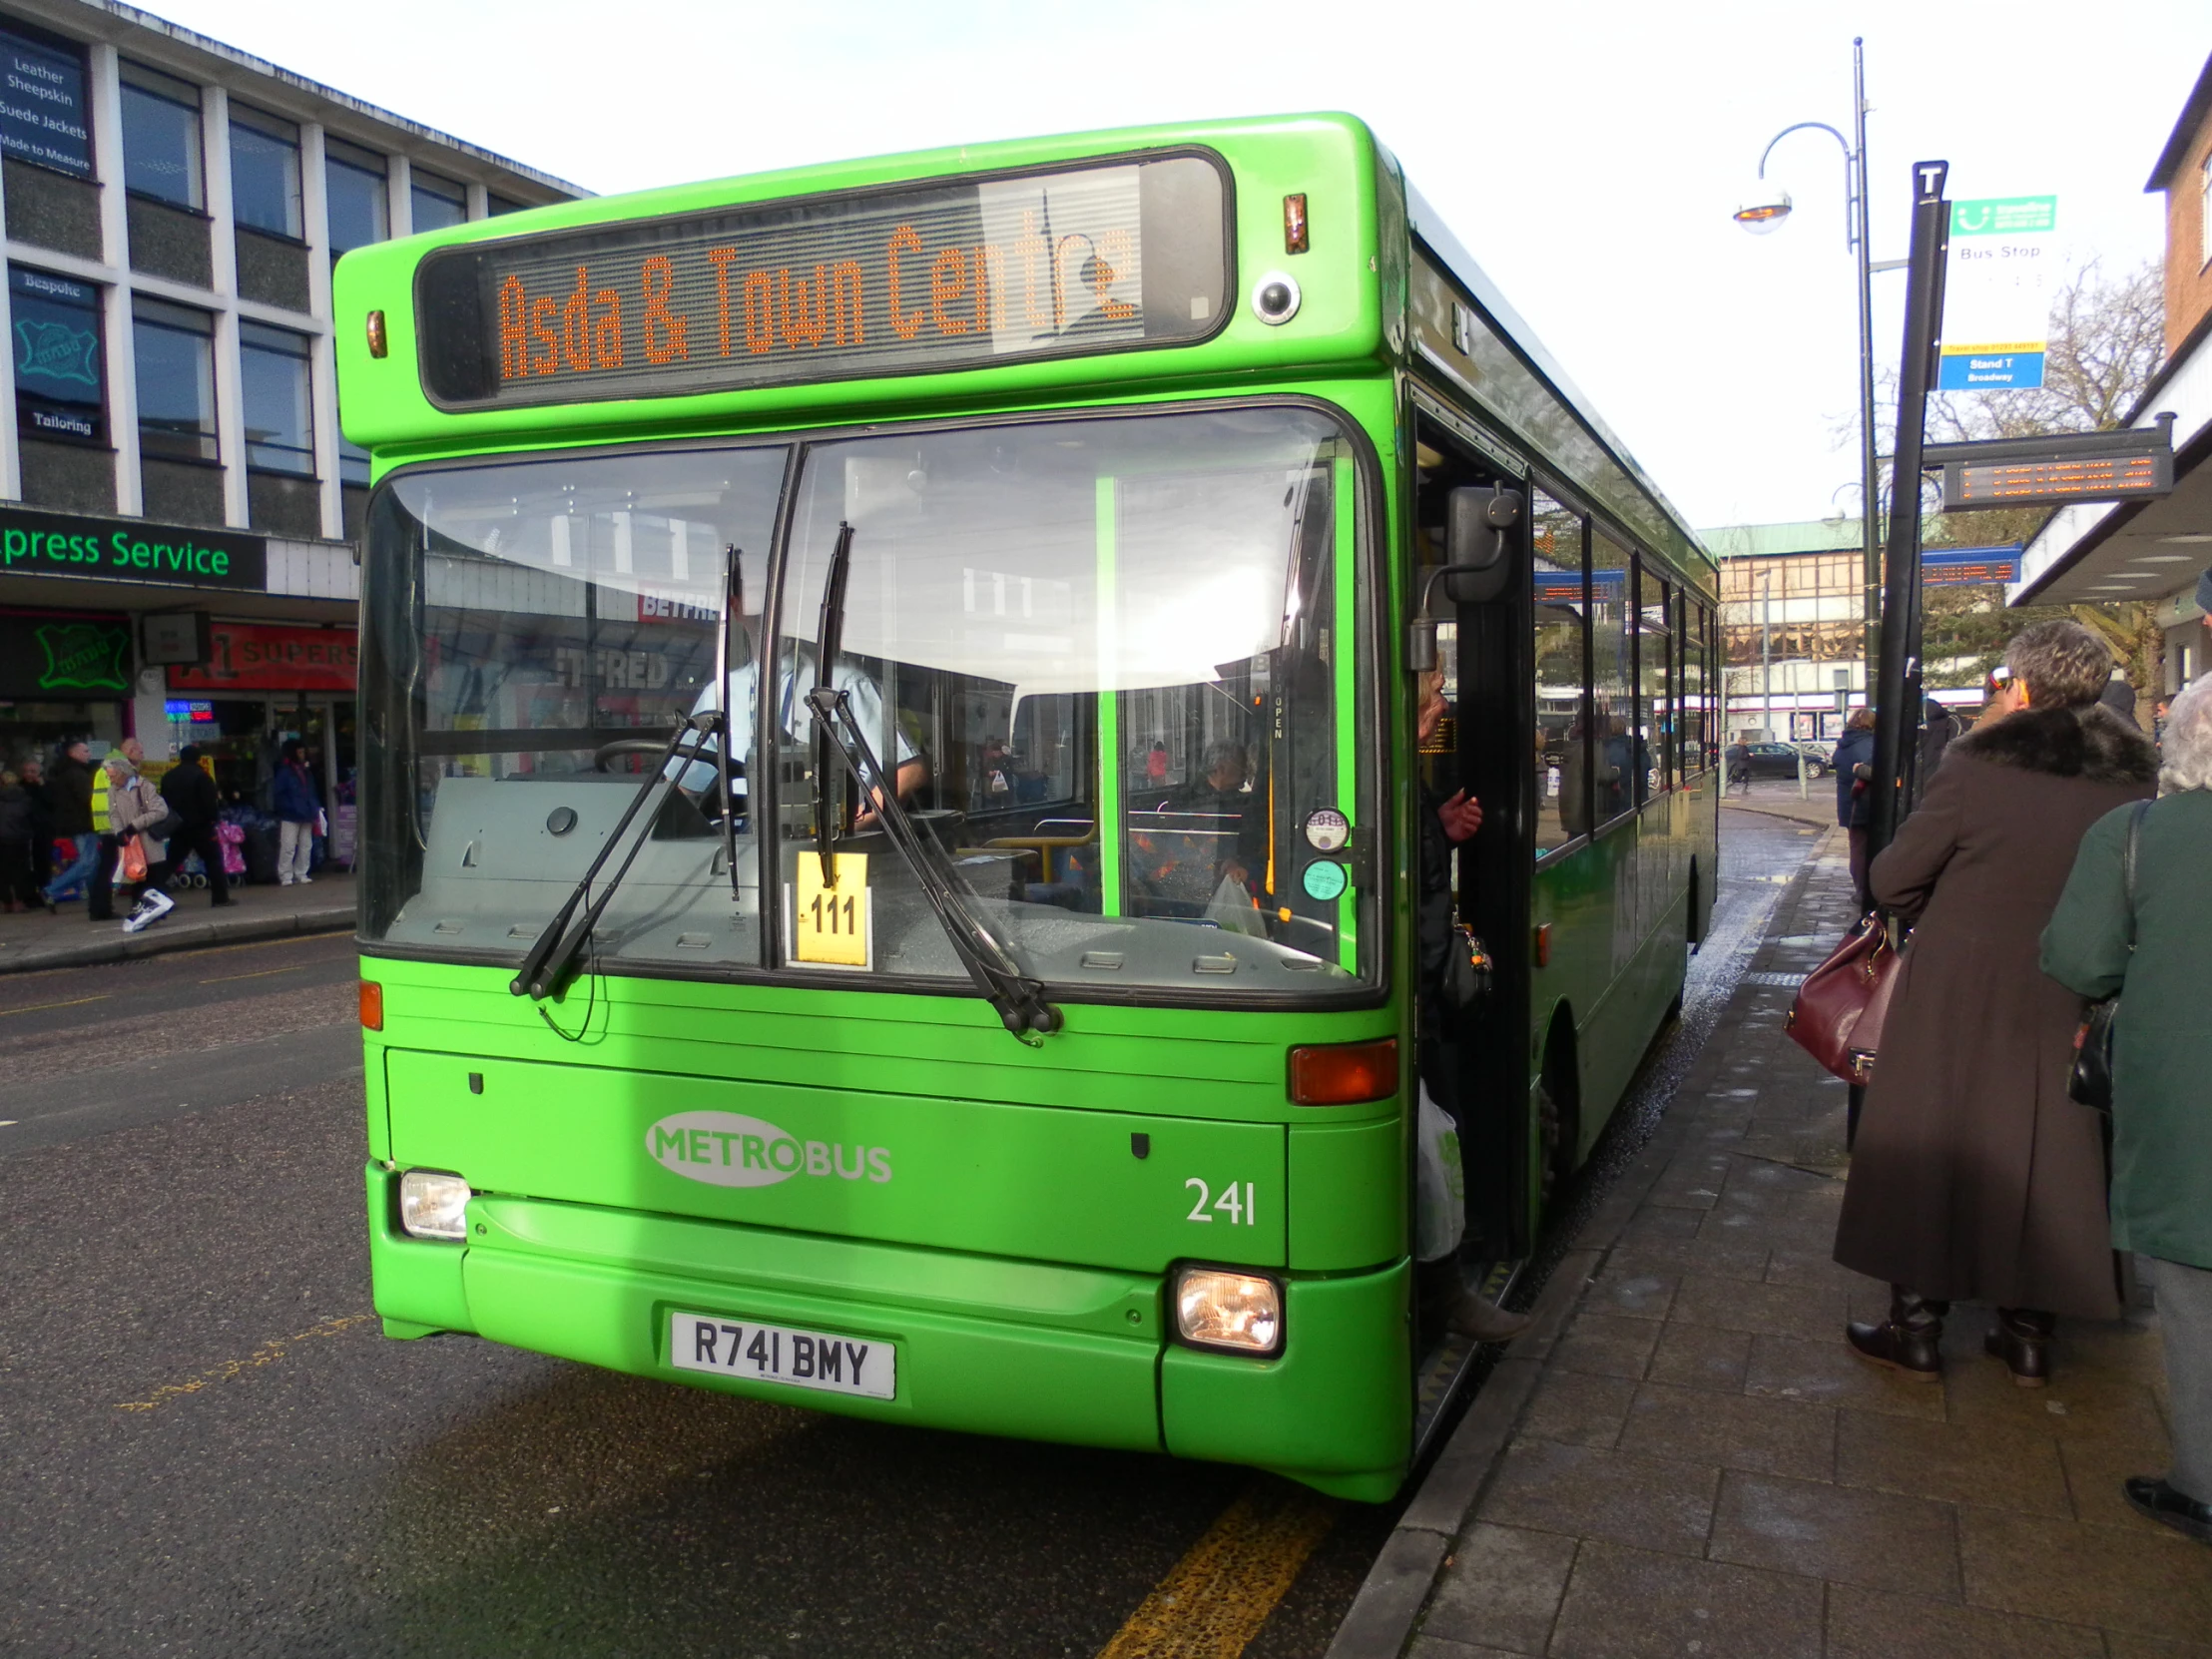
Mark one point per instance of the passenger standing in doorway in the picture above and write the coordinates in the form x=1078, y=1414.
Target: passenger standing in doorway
x=1852, y=763
x=1444, y=824
x=72, y=788
x=297, y=809
x=191, y=794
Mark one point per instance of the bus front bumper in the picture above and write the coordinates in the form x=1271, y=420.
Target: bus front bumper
x=983, y=1345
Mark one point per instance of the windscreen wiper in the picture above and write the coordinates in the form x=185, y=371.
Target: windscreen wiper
x=1018, y=999
x=545, y=970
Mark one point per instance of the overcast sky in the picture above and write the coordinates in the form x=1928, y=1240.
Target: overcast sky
x=1588, y=152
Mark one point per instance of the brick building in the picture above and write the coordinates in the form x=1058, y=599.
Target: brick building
x=2153, y=550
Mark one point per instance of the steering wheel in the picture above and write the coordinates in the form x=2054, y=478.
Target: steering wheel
x=683, y=755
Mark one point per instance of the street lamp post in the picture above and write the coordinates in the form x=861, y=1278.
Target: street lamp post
x=1766, y=209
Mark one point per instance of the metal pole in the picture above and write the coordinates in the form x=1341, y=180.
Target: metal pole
x=1765, y=655
x=1869, y=477
x=1896, y=707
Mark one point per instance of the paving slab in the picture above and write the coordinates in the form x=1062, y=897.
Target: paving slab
x=1700, y=1463
x=35, y=941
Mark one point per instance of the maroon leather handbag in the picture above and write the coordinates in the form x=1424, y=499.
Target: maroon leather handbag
x=1836, y=1017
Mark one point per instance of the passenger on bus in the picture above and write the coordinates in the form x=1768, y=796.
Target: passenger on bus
x=863, y=696
x=1444, y=824
x=1223, y=794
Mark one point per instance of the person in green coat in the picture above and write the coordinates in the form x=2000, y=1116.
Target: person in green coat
x=2156, y=953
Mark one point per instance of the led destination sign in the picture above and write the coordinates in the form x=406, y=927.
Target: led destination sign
x=2055, y=481
x=950, y=275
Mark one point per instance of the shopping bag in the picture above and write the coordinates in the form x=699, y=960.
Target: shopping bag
x=130, y=864
x=1440, y=1188
x=1232, y=911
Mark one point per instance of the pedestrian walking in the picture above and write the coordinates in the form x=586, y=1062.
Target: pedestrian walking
x=191, y=794
x=41, y=793
x=1735, y=762
x=17, y=889
x=1974, y=1177
x=1852, y=764
x=2152, y=948
x=298, y=808
x=72, y=791
x=137, y=819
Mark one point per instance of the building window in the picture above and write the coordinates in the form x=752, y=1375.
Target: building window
x=279, y=418
x=495, y=205
x=43, y=119
x=2204, y=211
x=361, y=210
x=437, y=202
x=265, y=171
x=161, y=136
x=175, y=347
x=352, y=463
x=59, y=387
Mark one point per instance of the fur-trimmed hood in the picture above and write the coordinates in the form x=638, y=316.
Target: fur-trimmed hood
x=2091, y=741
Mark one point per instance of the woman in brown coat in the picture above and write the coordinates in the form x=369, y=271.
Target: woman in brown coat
x=1974, y=1177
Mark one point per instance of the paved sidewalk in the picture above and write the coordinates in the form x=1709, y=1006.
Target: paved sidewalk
x=1779, y=799
x=39, y=941
x=1702, y=1467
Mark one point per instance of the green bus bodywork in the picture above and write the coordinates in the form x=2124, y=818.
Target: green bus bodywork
x=1008, y=1235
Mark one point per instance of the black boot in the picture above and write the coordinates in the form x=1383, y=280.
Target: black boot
x=2164, y=1504
x=2022, y=1340
x=1909, y=1340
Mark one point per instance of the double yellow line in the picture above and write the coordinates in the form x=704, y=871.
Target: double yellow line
x=1214, y=1600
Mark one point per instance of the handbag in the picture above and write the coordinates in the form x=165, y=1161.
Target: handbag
x=1838, y=1014
x=2091, y=1080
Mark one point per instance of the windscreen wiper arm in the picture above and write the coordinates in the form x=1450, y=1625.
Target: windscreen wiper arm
x=544, y=971
x=1018, y=999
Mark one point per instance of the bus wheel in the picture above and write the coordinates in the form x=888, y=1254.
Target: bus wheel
x=1556, y=1135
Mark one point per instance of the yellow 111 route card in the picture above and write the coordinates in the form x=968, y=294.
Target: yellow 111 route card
x=832, y=927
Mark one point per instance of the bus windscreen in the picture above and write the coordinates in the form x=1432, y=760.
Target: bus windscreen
x=951, y=275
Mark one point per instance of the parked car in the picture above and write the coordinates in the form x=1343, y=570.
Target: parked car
x=1780, y=759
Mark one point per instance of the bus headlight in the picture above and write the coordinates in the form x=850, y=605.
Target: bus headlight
x=434, y=1204
x=1223, y=1307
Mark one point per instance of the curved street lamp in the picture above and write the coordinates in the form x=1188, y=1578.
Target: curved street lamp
x=1765, y=205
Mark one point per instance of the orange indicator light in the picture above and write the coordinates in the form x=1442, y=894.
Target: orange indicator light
x=372, y=1005
x=1341, y=1074
x=1294, y=224
x=379, y=343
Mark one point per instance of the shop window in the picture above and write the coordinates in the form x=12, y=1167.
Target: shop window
x=437, y=203
x=273, y=389
x=359, y=209
x=161, y=136
x=264, y=173
x=46, y=75
x=175, y=347
x=60, y=387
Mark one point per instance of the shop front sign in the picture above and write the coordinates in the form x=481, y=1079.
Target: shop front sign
x=261, y=656
x=64, y=657
x=131, y=550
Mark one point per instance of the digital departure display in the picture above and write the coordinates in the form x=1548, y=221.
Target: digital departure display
x=1121, y=254
x=2053, y=481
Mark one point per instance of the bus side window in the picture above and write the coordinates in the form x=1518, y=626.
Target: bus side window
x=1562, y=737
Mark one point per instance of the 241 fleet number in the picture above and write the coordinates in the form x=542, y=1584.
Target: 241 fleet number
x=1235, y=1203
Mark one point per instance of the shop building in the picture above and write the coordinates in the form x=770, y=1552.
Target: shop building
x=2153, y=550
x=175, y=497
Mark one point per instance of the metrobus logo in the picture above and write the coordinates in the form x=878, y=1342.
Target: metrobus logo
x=726, y=1149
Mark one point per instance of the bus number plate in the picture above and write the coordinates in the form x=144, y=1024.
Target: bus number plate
x=778, y=1354
x=831, y=925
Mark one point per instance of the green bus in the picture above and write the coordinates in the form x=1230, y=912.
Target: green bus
x=892, y=790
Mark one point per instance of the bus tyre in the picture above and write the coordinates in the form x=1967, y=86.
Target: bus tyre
x=1556, y=1135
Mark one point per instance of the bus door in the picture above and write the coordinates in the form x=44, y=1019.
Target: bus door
x=1475, y=1059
